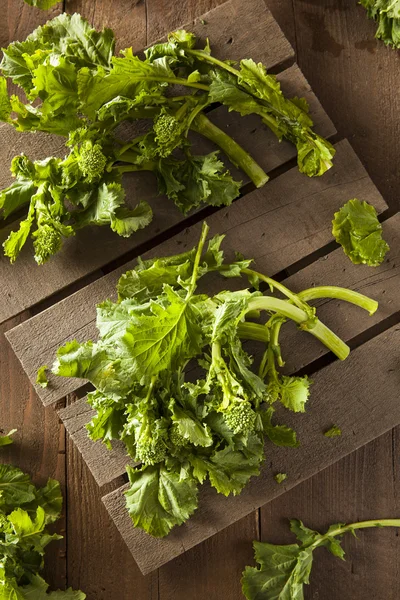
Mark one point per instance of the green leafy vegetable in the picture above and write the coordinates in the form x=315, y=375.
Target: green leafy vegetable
x=41, y=378
x=334, y=431
x=357, y=229
x=25, y=513
x=283, y=570
x=280, y=477
x=43, y=4
x=76, y=88
x=6, y=440
x=174, y=382
x=387, y=15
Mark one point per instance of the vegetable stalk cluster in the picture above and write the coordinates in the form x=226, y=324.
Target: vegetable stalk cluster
x=75, y=87
x=175, y=383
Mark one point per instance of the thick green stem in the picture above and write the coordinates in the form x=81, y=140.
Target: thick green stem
x=211, y=59
x=193, y=283
x=276, y=285
x=330, y=291
x=352, y=526
x=174, y=81
x=239, y=157
x=299, y=316
x=253, y=331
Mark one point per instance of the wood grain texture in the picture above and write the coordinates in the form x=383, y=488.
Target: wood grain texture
x=354, y=76
x=95, y=247
x=363, y=485
x=277, y=225
x=18, y=20
x=348, y=321
x=367, y=387
x=283, y=12
x=39, y=444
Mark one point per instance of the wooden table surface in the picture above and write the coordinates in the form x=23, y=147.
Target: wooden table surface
x=356, y=79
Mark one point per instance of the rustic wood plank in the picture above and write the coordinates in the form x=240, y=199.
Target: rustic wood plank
x=353, y=74
x=361, y=486
x=351, y=396
x=39, y=444
x=94, y=247
x=348, y=321
x=277, y=226
x=212, y=569
x=283, y=12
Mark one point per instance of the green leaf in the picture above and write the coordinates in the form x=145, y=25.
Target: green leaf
x=17, y=195
x=6, y=440
x=190, y=427
x=159, y=499
x=5, y=104
x=280, y=435
x=38, y=590
x=196, y=180
x=50, y=499
x=280, y=477
x=334, y=431
x=230, y=469
x=357, y=229
x=41, y=378
x=126, y=221
x=157, y=342
x=16, y=488
x=42, y=4
x=283, y=571
x=292, y=392
x=387, y=15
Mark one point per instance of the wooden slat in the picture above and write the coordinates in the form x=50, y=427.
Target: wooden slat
x=348, y=321
x=363, y=395
x=94, y=247
x=277, y=225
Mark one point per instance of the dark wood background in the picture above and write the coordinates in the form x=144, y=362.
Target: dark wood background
x=357, y=79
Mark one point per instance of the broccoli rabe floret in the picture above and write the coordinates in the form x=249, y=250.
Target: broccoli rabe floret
x=151, y=440
x=47, y=242
x=240, y=417
x=176, y=438
x=92, y=161
x=168, y=133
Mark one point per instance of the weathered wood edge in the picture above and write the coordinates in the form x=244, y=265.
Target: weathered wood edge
x=348, y=321
x=368, y=384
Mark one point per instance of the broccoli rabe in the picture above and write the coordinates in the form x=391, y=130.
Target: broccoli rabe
x=75, y=87
x=175, y=383
x=92, y=161
x=285, y=569
x=240, y=417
